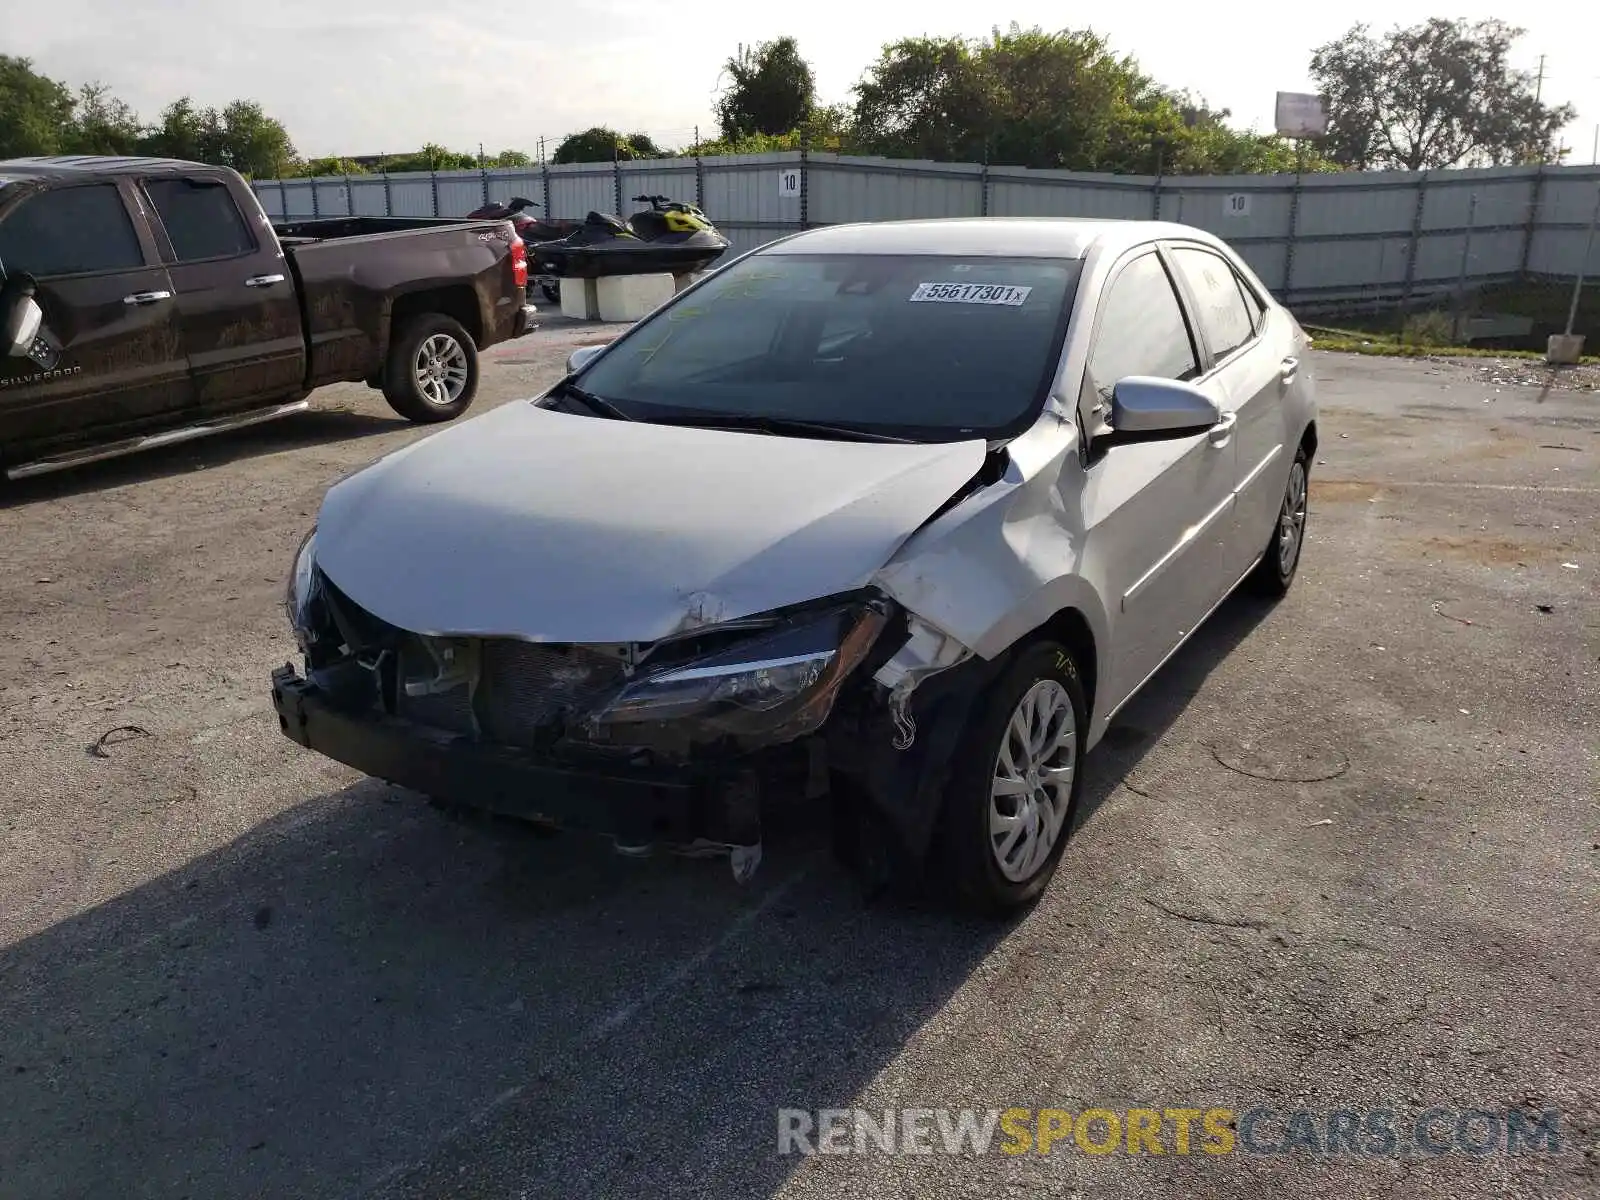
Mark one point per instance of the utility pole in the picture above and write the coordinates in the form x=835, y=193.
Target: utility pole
x=1538, y=82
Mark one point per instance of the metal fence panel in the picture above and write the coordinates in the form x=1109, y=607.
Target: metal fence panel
x=1383, y=202
x=841, y=190
x=670, y=177
x=1323, y=236
x=580, y=188
x=1017, y=192
x=512, y=182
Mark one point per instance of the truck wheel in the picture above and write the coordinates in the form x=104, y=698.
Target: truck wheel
x=552, y=292
x=432, y=372
x=1010, y=800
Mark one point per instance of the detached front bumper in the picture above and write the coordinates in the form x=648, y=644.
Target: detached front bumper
x=637, y=808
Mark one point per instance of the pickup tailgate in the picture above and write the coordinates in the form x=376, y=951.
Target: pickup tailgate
x=360, y=277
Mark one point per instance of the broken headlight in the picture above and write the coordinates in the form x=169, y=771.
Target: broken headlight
x=302, y=588
x=779, y=684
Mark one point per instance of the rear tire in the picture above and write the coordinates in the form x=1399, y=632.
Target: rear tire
x=1281, y=560
x=1010, y=802
x=552, y=292
x=432, y=371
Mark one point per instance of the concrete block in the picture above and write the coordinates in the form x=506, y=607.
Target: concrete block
x=579, y=300
x=1563, y=349
x=679, y=282
x=629, y=297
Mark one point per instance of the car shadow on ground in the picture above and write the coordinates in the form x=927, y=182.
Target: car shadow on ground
x=362, y=997
x=319, y=426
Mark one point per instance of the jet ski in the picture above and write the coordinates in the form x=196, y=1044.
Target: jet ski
x=669, y=237
x=532, y=230
x=529, y=228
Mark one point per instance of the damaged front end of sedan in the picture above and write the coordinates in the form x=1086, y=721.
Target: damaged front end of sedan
x=681, y=744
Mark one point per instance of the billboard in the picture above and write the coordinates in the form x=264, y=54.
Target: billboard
x=1301, y=114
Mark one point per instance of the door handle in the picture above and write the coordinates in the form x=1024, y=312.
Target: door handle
x=1223, y=429
x=1288, y=368
x=147, y=298
x=263, y=280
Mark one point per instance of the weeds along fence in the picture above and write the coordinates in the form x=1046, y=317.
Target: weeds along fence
x=1320, y=241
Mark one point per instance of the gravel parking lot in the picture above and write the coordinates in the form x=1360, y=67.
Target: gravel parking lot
x=1343, y=853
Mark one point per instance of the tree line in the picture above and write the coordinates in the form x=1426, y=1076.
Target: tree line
x=43, y=116
x=1441, y=93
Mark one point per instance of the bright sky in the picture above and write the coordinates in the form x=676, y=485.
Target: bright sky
x=383, y=76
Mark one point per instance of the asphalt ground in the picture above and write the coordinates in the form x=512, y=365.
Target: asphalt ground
x=1342, y=854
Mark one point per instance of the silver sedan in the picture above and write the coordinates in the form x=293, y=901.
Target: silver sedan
x=901, y=512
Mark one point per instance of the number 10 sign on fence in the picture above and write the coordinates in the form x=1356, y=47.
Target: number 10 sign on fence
x=789, y=183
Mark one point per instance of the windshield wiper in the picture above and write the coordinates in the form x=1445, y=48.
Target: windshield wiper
x=598, y=403
x=782, y=426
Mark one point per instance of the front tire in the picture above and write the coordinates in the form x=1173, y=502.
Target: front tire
x=1276, y=571
x=432, y=370
x=1010, y=802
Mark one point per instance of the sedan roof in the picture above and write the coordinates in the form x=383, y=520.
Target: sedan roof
x=1045, y=237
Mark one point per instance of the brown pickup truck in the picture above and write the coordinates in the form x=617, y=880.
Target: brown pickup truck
x=146, y=301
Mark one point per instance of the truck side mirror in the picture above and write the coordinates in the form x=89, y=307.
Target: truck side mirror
x=21, y=319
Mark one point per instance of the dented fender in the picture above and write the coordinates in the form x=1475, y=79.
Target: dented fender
x=1004, y=560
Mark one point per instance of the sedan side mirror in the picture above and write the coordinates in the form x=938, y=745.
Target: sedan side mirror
x=582, y=357
x=19, y=324
x=1144, y=407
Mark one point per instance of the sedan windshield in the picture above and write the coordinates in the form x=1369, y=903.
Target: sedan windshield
x=932, y=347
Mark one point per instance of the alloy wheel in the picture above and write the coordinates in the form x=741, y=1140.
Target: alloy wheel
x=1031, y=790
x=441, y=369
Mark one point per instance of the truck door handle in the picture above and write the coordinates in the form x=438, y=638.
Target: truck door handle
x=1223, y=429
x=1288, y=367
x=263, y=280
x=147, y=298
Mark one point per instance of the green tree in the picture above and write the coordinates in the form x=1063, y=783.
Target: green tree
x=600, y=144
x=432, y=157
x=245, y=138
x=333, y=165
x=926, y=97
x=644, y=146
x=1439, y=94
x=181, y=131
x=240, y=136
x=510, y=158
x=35, y=111
x=1063, y=100
x=102, y=124
x=828, y=127
x=771, y=90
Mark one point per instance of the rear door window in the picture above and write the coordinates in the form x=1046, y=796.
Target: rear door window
x=1219, y=302
x=70, y=231
x=201, y=219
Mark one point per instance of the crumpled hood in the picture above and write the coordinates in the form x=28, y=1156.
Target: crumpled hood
x=555, y=527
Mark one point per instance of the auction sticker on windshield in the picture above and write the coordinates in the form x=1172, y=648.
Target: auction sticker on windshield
x=970, y=293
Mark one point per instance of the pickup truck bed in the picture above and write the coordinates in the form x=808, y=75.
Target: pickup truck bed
x=173, y=304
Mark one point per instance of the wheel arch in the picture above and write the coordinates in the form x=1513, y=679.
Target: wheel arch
x=1308, y=439
x=460, y=304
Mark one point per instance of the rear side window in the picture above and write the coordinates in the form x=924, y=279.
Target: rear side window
x=1220, y=303
x=201, y=219
x=1142, y=330
x=70, y=231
